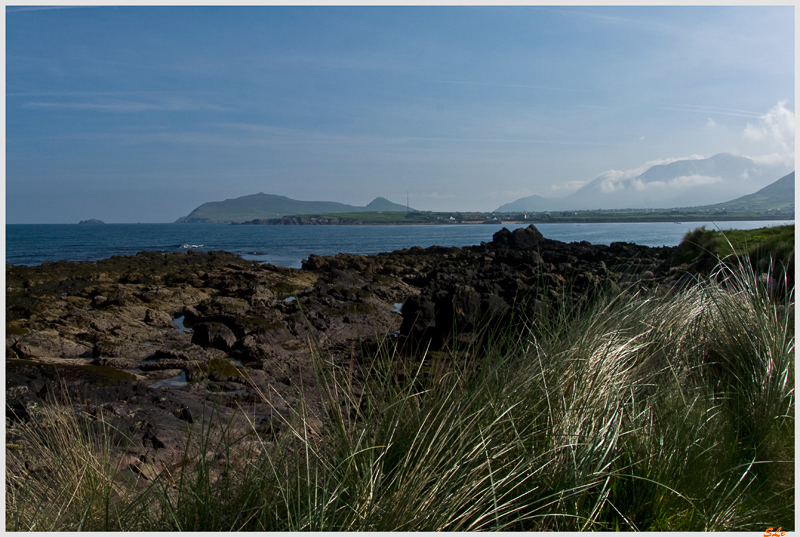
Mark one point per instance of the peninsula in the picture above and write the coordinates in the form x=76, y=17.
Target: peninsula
x=269, y=206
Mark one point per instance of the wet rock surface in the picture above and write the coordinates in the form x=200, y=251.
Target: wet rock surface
x=160, y=341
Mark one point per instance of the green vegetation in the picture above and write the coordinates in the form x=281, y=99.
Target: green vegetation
x=777, y=197
x=669, y=411
x=13, y=329
x=416, y=217
x=776, y=243
x=640, y=215
x=221, y=366
x=98, y=375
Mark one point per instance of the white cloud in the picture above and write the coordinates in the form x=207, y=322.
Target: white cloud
x=773, y=159
x=613, y=179
x=711, y=124
x=679, y=183
x=710, y=110
x=686, y=181
x=103, y=104
x=611, y=184
x=775, y=131
x=565, y=188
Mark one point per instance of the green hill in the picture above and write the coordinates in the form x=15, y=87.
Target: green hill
x=385, y=206
x=271, y=206
x=778, y=197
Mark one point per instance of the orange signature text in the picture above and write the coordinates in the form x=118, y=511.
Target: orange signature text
x=777, y=533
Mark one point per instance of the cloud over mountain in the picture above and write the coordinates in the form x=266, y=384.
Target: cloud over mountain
x=613, y=180
x=669, y=183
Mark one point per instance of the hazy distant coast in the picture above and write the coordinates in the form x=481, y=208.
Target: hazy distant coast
x=772, y=202
x=565, y=217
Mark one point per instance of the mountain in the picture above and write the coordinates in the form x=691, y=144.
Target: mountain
x=779, y=196
x=687, y=182
x=271, y=206
x=533, y=203
x=385, y=206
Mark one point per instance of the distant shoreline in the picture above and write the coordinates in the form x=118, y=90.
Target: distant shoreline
x=552, y=220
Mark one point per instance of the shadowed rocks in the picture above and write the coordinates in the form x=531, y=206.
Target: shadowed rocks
x=254, y=329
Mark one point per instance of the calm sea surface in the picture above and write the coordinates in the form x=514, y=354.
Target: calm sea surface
x=289, y=245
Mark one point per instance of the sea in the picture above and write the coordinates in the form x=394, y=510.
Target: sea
x=34, y=244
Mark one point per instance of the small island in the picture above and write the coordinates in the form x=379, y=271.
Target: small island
x=90, y=222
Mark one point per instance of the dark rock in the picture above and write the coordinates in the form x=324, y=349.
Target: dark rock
x=183, y=413
x=157, y=318
x=419, y=317
x=120, y=311
x=151, y=439
x=182, y=353
x=493, y=306
x=464, y=309
x=122, y=297
x=46, y=344
x=520, y=238
x=213, y=334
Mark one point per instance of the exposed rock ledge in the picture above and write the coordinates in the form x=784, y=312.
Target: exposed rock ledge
x=234, y=332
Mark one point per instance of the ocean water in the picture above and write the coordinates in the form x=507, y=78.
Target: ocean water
x=33, y=244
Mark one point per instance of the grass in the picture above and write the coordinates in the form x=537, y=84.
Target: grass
x=62, y=473
x=647, y=411
x=775, y=242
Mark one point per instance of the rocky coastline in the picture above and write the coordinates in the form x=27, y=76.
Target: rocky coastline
x=303, y=220
x=158, y=341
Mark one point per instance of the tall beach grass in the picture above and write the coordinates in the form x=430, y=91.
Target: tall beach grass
x=646, y=411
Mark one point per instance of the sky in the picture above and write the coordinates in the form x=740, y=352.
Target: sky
x=140, y=114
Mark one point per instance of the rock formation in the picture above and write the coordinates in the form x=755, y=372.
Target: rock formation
x=158, y=339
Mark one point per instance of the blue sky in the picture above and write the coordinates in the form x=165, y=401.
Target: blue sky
x=140, y=114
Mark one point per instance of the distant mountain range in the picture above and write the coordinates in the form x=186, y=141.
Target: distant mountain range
x=683, y=183
x=698, y=183
x=263, y=206
x=779, y=196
